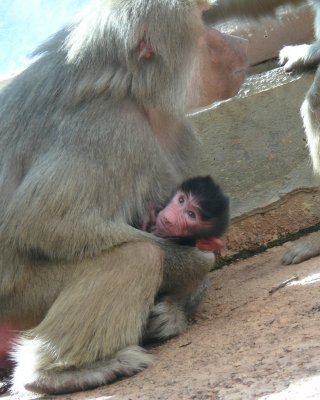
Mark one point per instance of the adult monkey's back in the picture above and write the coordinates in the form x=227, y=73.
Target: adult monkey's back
x=91, y=134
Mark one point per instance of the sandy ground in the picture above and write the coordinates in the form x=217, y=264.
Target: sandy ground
x=245, y=342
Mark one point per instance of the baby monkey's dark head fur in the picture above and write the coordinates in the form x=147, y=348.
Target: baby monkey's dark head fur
x=213, y=203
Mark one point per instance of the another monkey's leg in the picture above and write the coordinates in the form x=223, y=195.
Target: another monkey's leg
x=302, y=251
x=91, y=333
x=310, y=112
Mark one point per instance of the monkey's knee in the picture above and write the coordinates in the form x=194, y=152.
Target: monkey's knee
x=110, y=312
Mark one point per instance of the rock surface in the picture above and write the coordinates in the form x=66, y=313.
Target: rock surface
x=245, y=343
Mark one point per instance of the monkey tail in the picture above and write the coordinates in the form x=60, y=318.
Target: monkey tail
x=126, y=362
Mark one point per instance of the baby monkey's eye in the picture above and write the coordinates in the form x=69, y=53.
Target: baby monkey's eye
x=192, y=214
x=181, y=199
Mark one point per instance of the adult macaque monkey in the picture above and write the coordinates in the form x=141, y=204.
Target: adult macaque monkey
x=73, y=176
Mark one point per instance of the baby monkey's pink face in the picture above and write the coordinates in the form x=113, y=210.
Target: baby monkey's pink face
x=181, y=217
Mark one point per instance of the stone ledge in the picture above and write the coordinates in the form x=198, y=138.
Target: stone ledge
x=294, y=212
x=269, y=35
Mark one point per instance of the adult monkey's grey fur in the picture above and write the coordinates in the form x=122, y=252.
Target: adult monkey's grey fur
x=79, y=161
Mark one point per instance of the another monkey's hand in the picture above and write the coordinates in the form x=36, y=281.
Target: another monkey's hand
x=300, y=56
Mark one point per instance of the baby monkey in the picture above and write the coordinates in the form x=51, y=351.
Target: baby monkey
x=196, y=215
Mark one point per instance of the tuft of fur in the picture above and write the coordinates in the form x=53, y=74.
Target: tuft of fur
x=170, y=318
x=310, y=113
x=29, y=377
x=166, y=320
